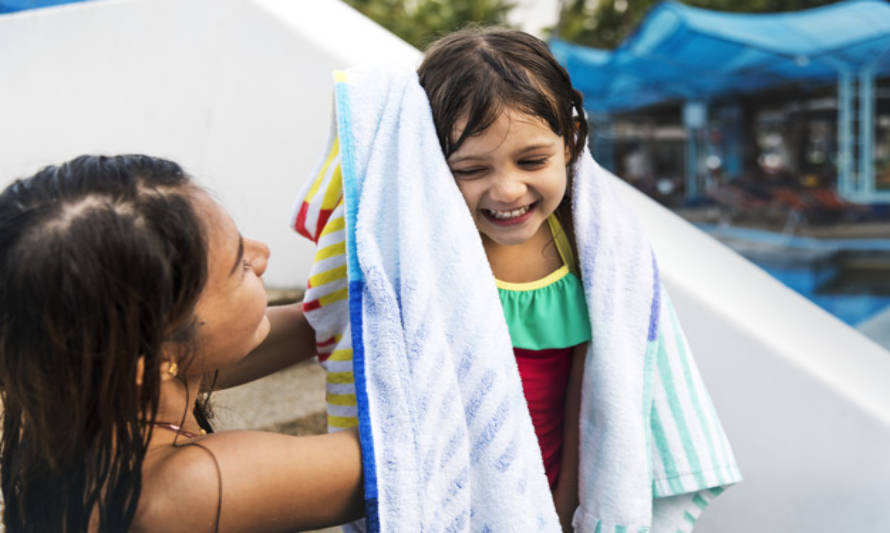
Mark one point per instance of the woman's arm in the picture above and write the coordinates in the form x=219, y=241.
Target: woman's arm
x=290, y=340
x=270, y=482
x=565, y=497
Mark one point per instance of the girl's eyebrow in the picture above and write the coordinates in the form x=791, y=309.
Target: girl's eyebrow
x=239, y=256
x=538, y=146
x=452, y=161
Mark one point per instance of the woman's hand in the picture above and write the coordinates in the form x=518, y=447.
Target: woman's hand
x=565, y=503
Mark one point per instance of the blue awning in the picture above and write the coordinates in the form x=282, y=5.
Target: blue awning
x=681, y=52
x=11, y=6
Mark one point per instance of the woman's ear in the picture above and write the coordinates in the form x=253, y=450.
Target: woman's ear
x=140, y=370
x=169, y=370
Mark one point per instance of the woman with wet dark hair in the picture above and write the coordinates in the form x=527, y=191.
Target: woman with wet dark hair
x=124, y=288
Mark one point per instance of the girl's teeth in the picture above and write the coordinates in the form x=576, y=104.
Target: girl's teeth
x=509, y=214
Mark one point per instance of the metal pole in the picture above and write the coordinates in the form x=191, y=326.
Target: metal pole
x=695, y=119
x=845, y=184
x=866, y=133
x=691, y=164
x=601, y=142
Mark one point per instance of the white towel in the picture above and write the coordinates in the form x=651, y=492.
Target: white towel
x=653, y=452
x=447, y=440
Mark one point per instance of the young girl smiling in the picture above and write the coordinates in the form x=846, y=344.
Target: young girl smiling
x=511, y=128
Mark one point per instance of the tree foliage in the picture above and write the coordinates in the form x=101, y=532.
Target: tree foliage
x=420, y=22
x=605, y=23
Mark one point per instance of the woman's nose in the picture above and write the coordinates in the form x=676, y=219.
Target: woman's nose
x=258, y=255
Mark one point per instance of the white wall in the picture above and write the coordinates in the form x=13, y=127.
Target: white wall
x=239, y=91
x=804, y=398
x=534, y=16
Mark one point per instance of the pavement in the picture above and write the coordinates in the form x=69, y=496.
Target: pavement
x=291, y=401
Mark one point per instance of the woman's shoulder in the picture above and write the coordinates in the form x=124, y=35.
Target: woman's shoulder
x=180, y=488
x=256, y=480
x=183, y=483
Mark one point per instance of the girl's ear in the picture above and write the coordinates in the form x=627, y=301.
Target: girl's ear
x=576, y=124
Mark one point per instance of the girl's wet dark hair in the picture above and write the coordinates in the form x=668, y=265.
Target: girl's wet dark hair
x=102, y=260
x=475, y=74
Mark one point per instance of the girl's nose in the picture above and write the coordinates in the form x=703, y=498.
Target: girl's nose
x=258, y=254
x=507, y=189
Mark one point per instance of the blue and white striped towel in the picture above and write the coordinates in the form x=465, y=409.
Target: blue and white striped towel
x=653, y=452
x=447, y=440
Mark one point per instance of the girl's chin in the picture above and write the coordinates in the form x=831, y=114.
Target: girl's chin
x=508, y=238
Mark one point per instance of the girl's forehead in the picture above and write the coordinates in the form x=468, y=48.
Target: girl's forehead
x=512, y=130
x=504, y=120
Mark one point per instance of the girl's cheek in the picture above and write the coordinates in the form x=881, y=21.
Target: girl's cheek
x=466, y=193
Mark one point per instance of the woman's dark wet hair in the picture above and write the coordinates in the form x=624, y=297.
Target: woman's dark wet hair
x=102, y=260
x=475, y=74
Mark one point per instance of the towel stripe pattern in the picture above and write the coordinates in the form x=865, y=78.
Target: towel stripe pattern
x=692, y=461
x=689, y=457
x=319, y=217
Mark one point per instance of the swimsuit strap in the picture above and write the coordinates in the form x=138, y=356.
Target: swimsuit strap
x=218, y=479
x=562, y=244
x=189, y=435
x=176, y=429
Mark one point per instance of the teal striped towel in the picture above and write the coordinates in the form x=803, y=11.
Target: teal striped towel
x=653, y=452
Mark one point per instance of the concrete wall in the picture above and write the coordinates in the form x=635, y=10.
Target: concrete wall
x=239, y=92
x=535, y=16
x=803, y=397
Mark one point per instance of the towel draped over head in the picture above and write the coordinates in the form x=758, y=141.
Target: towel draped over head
x=447, y=440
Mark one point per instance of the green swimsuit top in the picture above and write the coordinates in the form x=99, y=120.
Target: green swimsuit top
x=550, y=312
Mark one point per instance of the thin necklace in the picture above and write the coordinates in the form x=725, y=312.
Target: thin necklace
x=173, y=427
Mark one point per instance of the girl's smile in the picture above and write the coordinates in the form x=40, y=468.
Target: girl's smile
x=512, y=176
x=510, y=217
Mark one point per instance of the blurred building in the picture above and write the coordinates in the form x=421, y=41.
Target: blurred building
x=696, y=98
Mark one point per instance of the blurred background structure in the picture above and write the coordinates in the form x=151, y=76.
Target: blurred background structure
x=754, y=137
x=771, y=131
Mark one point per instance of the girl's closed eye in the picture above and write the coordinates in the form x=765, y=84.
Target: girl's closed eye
x=467, y=172
x=533, y=163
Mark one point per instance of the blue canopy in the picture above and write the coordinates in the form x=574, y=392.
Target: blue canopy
x=681, y=52
x=11, y=6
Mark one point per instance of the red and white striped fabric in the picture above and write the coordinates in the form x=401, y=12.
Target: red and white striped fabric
x=319, y=217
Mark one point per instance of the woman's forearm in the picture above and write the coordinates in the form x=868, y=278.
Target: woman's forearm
x=566, y=493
